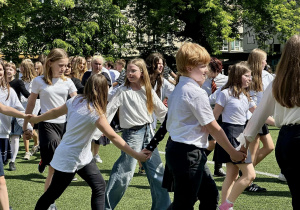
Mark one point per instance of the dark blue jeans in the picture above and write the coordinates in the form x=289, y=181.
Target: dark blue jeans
x=287, y=155
x=61, y=180
x=192, y=178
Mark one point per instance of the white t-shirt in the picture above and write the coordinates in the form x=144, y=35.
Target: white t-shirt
x=24, y=101
x=189, y=111
x=14, y=102
x=133, y=108
x=74, y=150
x=235, y=110
x=52, y=96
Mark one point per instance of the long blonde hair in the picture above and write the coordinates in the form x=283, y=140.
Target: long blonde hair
x=28, y=70
x=95, y=92
x=140, y=63
x=255, y=59
x=234, y=83
x=54, y=55
x=3, y=82
x=286, y=85
x=76, y=70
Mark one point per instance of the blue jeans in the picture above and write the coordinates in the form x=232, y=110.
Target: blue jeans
x=122, y=172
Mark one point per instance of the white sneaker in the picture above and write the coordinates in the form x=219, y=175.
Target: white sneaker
x=281, y=177
x=34, y=149
x=27, y=156
x=52, y=207
x=98, y=159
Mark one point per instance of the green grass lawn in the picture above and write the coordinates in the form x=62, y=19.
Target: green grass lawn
x=26, y=185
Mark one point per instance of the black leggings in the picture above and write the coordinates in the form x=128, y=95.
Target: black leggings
x=61, y=180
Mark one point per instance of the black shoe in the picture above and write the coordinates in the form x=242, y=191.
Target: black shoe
x=12, y=166
x=41, y=167
x=219, y=172
x=255, y=188
x=10, y=208
x=142, y=171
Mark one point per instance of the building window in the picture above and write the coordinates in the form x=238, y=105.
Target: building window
x=225, y=45
x=237, y=45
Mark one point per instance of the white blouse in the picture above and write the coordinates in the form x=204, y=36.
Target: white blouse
x=133, y=107
x=270, y=107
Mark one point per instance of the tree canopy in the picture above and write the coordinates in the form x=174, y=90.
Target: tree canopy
x=118, y=27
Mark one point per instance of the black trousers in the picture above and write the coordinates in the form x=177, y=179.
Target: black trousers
x=61, y=180
x=192, y=178
x=287, y=155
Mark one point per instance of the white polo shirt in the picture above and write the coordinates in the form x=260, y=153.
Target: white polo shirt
x=189, y=111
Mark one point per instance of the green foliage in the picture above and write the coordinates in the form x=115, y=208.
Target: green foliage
x=209, y=22
x=80, y=27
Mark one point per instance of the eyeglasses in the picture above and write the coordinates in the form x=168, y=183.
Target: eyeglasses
x=248, y=76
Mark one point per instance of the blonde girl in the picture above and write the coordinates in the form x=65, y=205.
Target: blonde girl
x=79, y=67
x=257, y=61
x=136, y=101
x=28, y=74
x=53, y=89
x=85, y=114
x=38, y=66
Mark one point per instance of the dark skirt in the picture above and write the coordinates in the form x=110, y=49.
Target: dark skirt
x=5, y=150
x=232, y=131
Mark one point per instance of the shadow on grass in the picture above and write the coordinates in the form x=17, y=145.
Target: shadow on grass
x=27, y=177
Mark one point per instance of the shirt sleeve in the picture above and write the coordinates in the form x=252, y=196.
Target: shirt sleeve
x=222, y=99
x=72, y=87
x=168, y=88
x=113, y=105
x=160, y=109
x=36, y=85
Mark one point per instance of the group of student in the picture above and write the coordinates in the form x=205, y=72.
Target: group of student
x=68, y=126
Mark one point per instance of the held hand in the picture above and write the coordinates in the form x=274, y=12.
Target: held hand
x=34, y=119
x=142, y=157
x=238, y=157
x=27, y=134
x=243, y=150
x=148, y=153
x=27, y=117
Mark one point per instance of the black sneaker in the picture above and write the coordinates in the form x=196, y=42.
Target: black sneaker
x=142, y=171
x=255, y=188
x=41, y=167
x=219, y=172
x=12, y=166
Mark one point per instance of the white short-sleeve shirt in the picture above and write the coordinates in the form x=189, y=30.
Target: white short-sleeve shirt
x=235, y=109
x=189, y=111
x=52, y=96
x=74, y=150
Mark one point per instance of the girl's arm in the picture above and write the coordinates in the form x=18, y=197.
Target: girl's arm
x=72, y=94
x=270, y=120
x=217, y=132
x=11, y=111
x=51, y=114
x=103, y=125
x=31, y=103
x=218, y=111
